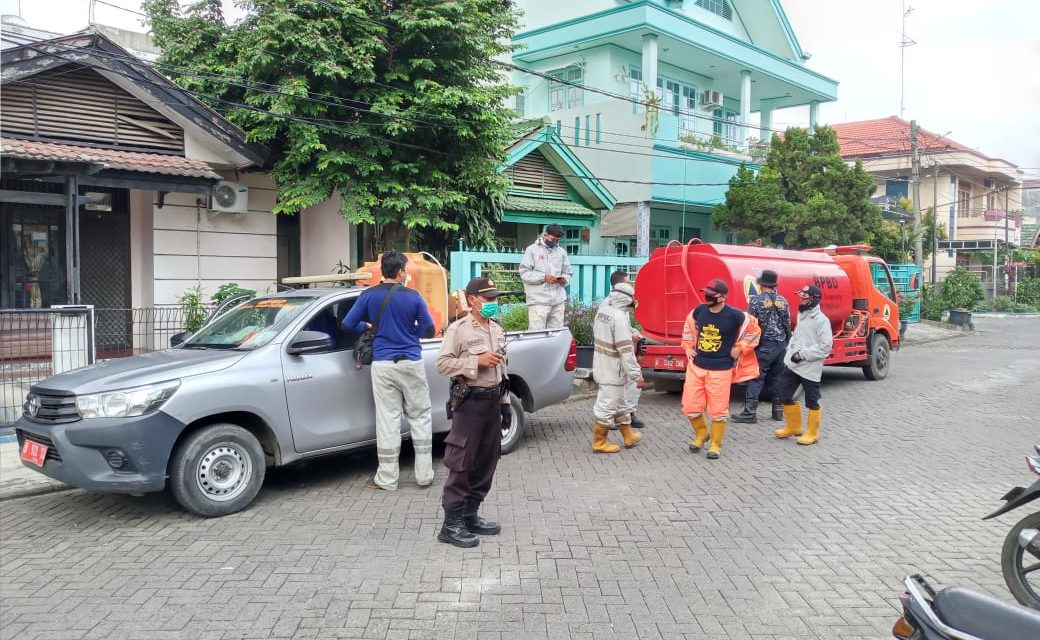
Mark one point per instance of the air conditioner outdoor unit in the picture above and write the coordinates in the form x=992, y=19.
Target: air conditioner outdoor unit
x=710, y=98
x=229, y=197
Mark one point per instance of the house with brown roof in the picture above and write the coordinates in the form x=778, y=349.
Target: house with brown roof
x=121, y=190
x=977, y=197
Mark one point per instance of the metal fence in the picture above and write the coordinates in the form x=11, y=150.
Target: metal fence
x=38, y=343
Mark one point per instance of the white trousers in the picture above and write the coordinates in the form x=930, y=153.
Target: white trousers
x=611, y=407
x=632, y=394
x=544, y=316
x=401, y=390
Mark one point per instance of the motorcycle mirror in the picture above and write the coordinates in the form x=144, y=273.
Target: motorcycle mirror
x=1034, y=464
x=1037, y=447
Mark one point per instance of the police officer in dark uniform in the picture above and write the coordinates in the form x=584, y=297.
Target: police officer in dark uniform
x=473, y=355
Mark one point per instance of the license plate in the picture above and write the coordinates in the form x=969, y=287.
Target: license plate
x=34, y=452
x=667, y=363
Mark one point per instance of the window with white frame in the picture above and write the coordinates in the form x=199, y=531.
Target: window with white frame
x=562, y=92
x=621, y=247
x=670, y=92
x=718, y=7
x=635, y=88
x=688, y=110
x=726, y=126
x=521, y=103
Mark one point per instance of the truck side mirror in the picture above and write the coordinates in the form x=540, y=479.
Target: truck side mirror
x=178, y=339
x=309, y=342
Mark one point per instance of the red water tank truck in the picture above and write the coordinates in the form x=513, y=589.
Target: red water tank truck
x=859, y=298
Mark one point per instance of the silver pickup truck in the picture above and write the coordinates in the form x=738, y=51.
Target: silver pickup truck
x=267, y=383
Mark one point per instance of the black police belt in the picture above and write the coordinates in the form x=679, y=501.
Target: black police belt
x=484, y=393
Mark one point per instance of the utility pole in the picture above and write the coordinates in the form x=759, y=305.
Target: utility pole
x=935, y=213
x=904, y=42
x=915, y=178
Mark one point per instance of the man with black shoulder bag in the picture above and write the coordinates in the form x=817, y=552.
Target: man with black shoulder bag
x=396, y=318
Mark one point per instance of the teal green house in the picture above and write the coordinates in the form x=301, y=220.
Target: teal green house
x=661, y=101
x=550, y=185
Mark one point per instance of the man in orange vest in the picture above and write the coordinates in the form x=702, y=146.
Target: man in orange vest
x=719, y=341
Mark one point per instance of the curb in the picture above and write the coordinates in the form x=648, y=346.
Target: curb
x=29, y=490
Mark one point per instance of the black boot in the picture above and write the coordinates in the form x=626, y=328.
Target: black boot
x=749, y=414
x=475, y=524
x=778, y=408
x=637, y=423
x=454, y=531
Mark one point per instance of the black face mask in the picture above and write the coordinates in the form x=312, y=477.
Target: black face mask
x=712, y=300
x=805, y=306
x=552, y=244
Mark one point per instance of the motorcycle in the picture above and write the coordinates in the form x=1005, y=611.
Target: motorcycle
x=1020, y=557
x=956, y=613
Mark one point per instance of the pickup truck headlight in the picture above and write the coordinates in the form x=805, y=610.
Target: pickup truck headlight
x=126, y=403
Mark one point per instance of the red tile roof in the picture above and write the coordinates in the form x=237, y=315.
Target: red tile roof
x=890, y=137
x=110, y=158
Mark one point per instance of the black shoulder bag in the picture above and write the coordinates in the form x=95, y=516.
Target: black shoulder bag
x=365, y=344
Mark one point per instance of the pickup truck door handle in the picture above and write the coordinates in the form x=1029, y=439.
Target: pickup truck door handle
x=876, y=310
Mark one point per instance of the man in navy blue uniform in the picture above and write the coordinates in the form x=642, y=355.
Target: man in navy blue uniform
x=774, y=317
x=399, y=384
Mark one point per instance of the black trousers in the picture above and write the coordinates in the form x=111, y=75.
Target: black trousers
x=789, y=382
x=770, y=356
x=474, y=446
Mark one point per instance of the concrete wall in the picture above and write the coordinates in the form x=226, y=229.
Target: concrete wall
x=142, y=260
x=192, y=245
x=325, y=239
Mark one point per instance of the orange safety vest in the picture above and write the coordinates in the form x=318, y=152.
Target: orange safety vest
x=750, y=334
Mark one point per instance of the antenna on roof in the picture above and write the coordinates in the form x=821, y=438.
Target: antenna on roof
x=904, y=42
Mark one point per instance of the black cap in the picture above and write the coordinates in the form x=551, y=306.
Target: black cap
x=484, y=287
x=554, y=230
x=810, y=291
x=716, y=285
x=768, y=278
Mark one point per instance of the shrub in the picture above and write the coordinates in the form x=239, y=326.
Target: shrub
x=1028, y=292
x=514, y=317
x=961, y=290
x=931, y=303
x=579, y=319
x=194, y=314
x=227, y=290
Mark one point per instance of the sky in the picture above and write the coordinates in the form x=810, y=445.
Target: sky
x=973, y=71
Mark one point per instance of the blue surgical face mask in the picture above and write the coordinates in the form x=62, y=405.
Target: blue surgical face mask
x=489, y=309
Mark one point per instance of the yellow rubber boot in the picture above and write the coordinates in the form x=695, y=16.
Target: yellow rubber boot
x=599, y=440
x=812, y=434
x=631, y=437
x=718, y=432
x=793, y=416
x=700, y=432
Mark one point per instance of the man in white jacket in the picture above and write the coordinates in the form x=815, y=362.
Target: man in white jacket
x=810, y=345
x=546, y=271
x=614, y=364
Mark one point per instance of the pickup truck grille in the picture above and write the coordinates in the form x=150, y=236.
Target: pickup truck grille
x=51, y=408
x=52, y=453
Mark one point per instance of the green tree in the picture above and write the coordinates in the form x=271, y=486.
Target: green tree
x=396, y=105
x=895, y=242
x=961, y=290
x=805, y=195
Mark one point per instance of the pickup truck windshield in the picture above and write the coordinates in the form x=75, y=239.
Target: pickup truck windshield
x=249, y=325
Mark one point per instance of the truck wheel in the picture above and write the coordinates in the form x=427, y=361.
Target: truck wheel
x=1017, y=558
x=217, y=470
x=512, y=436
x=879, y=358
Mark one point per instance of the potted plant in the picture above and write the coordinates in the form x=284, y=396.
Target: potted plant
x=579, y=318
x=961, y=291
x=907, y=304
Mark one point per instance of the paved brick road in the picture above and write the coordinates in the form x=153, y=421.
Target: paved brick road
x=773, y=541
